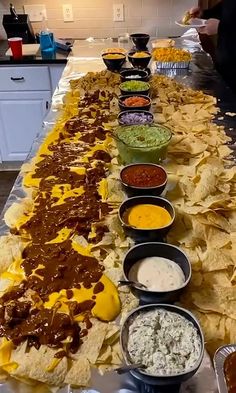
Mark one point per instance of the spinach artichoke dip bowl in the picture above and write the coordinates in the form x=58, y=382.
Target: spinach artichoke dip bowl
x=142, y=143
x=167, y=340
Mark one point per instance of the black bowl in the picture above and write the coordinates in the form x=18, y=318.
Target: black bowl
x=143, y=235
x=143, y=75
x=137, y=111
x=163, y=380
x=114, y=64
x=133, y=190
x=140, y=62
x=133, y=108
x=137, y=92
x=163, y=250
x=140, y=40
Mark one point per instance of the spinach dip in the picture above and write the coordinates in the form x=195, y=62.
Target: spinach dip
x=165, y=342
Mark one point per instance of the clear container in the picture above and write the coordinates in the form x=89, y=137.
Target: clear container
x=130, y=152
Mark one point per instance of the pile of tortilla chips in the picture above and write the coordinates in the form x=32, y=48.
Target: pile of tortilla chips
x=203, y=191
x=202, y=187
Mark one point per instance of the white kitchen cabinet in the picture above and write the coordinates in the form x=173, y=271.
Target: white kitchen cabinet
x=21, y=117
x=25, y=98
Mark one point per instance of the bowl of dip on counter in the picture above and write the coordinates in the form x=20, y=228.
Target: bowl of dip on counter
x=139, y=59
x=167, y=340
x=134, y=102
x=164, y=269
x=134, y=87
x=146, y=218
x=143, y=179
x=142, y=143
x=134, y=74
x=113, y=61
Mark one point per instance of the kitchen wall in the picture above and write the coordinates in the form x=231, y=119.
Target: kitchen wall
x=95, y=17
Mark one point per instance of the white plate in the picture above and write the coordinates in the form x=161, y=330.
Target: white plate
x=195, y=22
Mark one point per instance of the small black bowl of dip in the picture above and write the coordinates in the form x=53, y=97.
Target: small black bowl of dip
x=145, y=106
x=131, y=207
x=134, y=87
x=134, y=74
x=138, y=267
x=114, y=61
x=143, y=179
x=170, y=381
x=139, y=59
x=140, y=40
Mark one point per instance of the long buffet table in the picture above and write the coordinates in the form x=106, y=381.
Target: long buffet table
x=201, y=76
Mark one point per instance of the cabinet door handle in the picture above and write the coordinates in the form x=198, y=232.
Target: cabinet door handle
x=17, y=79
x=47, y=104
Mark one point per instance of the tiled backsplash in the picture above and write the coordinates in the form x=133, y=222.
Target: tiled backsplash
x=95, y=17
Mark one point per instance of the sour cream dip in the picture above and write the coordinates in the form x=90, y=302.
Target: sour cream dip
x=158, y=274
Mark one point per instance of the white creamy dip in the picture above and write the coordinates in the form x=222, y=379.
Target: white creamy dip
x=165, y=342
x=157, y=273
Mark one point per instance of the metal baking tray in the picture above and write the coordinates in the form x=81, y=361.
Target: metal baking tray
x=219, y=359
x=172, y=65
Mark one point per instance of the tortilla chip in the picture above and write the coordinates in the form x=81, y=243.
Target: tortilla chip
x=93, y=342
x=33, y=365
x=79, y=373
x=11, y=248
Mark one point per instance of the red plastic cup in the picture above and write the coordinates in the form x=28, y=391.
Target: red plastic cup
x=15, y=44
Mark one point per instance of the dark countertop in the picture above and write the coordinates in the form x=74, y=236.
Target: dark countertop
x=59, y=57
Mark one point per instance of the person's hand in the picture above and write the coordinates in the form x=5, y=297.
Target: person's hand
x=211, y=27
x=195, y=12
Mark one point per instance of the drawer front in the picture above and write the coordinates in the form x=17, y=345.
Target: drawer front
x=24, y=78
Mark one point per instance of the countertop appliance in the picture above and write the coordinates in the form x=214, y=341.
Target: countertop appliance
x=18, y=25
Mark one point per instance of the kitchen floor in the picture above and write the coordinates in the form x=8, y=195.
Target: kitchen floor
x=7, y=179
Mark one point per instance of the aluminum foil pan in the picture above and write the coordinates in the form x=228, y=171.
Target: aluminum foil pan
x=172, y=64
x=221, y=354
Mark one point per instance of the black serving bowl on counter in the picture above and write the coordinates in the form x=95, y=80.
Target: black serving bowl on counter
x=157, y=249
x=140, y=40
x=114, y=64
x=162, y=380
x=134, y=74
x=140, y=62
x=134, y=190
x=144, y=92
x=142, y=234
x=133, y=108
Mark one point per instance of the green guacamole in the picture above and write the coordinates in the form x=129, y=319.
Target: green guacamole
x=134, y=86
x=142, y=143
x=143, y=135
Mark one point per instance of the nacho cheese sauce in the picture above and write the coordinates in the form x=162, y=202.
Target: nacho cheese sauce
x=165, y=342
x=147, y=216
x=59, y=283
x=157, y=273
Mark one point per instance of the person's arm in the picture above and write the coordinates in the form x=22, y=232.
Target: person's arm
x=214, y=12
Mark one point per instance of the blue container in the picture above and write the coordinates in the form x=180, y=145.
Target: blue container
x=47, y=44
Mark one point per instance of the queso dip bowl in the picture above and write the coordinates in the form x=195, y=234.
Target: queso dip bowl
x=157, y=249
x=145, y=234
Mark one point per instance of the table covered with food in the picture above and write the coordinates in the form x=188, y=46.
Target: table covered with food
x=117, y=247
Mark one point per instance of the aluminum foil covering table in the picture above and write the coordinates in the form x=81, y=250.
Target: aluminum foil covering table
x=202, y=76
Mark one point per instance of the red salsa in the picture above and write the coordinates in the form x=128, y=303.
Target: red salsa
x=230, y=373
x=143, y=175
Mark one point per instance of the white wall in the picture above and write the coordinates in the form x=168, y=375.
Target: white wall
x=94, y=17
